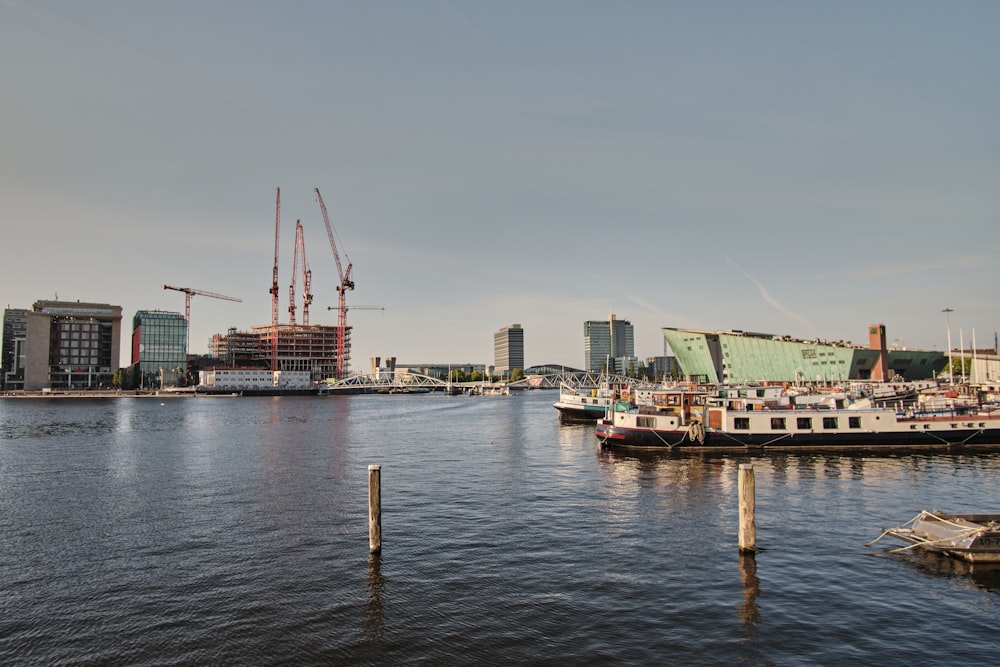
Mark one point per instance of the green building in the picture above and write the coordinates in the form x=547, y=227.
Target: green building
x=741, y=357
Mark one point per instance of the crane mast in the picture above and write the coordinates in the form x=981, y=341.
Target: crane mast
x=295, y=272
x=307, y=296
x=274, y=284
x=300, y=251
x=346, y=283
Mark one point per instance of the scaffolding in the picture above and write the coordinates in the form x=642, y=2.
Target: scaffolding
x=304, y=348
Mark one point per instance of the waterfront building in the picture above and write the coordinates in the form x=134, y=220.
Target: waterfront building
x=508, y=349
x=71, y=345
x=742, y=357
x=608, y=339
x=15, y=325
x=253, y=379
x=159, y=348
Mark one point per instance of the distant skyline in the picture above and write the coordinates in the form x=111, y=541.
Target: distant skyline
x=802, y=169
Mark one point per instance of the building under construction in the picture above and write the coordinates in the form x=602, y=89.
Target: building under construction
x=324, y=351
x=310, y=348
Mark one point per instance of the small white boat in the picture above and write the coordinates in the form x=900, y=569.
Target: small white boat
x=584, y=403
x=972, y=537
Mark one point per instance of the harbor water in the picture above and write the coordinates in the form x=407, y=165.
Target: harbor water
x=234, y=531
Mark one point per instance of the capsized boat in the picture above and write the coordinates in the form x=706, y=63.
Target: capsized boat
x=972, y=537
x=779, y=421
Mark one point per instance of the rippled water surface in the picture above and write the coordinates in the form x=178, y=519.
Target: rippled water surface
x=141, y=531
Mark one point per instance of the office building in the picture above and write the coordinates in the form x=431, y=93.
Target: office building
x=71, y=345
x=508, y=350
x=159, y=348
x=15, y=325
x=608, y=340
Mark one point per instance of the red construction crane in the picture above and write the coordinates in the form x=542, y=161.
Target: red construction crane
x=274, y=285
x=188, y=293
x=300, y=251
x=345, y=284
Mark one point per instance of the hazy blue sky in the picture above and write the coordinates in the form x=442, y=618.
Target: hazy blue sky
x=800, y=168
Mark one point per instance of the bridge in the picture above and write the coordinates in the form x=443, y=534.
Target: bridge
x=389, y=382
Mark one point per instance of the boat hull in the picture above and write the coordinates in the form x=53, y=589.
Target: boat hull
x=582, y=413
x=802, y=429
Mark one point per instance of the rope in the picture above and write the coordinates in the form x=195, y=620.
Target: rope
x=923, y=541
x=940, y=439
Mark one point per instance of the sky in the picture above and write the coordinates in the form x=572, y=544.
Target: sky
x=795, y=168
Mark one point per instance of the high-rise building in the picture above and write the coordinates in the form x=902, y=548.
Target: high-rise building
x=607, y=339
x=71, y=345
x=508, y=349
x=159, y=348
x=15, y=325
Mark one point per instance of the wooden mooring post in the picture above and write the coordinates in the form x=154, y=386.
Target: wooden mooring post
x=748, y=525
x=375, y=509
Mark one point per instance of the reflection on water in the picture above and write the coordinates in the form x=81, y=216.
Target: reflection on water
x=985, y=576
x=749, y=611
x=374, y=622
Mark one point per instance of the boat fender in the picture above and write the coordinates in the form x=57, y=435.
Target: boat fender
x=696, y=432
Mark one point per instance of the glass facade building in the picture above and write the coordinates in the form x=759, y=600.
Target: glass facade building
x=159, y=348
x=607, y=339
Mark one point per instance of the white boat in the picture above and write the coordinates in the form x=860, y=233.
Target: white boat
x=585, y=403
x=972, y=537
x=780, y=422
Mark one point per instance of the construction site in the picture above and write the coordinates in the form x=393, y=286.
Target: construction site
x=295, y=345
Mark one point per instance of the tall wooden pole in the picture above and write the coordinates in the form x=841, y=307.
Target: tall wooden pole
x=375, y=508
x=748, y=526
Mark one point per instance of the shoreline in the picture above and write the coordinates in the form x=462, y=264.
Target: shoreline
x=99, y=393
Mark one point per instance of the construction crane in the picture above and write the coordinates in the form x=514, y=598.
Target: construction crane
x=188, y=293
x=307, y=297
x=274, y=285
x=346, y=283
x=357, y=307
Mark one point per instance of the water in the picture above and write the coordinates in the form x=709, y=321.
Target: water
x=228, y=531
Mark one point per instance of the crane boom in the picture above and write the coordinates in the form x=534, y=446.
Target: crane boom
x=190, y=292
x=346, y=283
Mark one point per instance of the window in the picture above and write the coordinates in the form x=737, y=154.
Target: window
x=777, y=423
x=829, y=422
x=804, y=423
x=741, y=423
x=645, y=422
x=854, y=422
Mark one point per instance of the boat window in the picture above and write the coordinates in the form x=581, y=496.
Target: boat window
x=777, y=423
x=854, y=422
x=741, y=423
x=829, y=422
x=645, y=422
x=804, y=423
x=913, y=427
